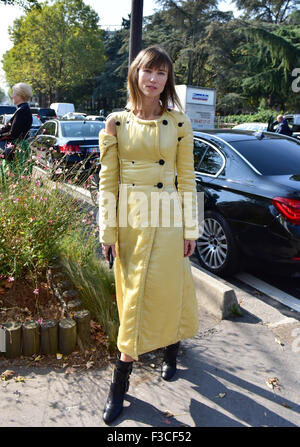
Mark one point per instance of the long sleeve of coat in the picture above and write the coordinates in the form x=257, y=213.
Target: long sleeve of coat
x=186, y=179
x=108, y=188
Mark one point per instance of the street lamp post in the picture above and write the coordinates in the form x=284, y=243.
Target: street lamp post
x=136, y=22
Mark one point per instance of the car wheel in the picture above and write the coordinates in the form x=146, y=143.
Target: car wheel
x=94, y=188
x=216, y=248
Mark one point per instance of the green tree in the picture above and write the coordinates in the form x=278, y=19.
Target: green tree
x=273, y=11
x=2, y=95
x=181, y=28
x=270, y=56
x=26, y=4
x=58, y=49
x=110, y=90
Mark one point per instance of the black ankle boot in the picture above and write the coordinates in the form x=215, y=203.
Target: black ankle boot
x=169, y=363
x=119, y=386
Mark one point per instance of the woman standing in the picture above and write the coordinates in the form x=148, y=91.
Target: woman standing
x=19, y=124
x=142, y=149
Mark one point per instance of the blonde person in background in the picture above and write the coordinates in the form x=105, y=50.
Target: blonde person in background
x=19, y=124
x=143, y=148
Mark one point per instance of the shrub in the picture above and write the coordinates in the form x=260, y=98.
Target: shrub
x=79, y=256
x=40, y=222
x=33, y=221
x=262, y=116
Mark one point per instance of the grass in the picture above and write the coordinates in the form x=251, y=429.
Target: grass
x=96, y=288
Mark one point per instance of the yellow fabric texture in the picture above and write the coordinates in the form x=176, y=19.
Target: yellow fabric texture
x=154, y=285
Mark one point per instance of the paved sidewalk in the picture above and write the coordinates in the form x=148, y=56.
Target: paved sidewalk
x=221, y=380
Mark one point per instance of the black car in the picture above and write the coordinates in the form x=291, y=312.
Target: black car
x=7, y=110
x=36, y=124
x=66, y=146
x=251, y=186
x=45, y=114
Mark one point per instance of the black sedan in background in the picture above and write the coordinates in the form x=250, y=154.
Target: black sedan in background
x=251, y=186
x=66, y=146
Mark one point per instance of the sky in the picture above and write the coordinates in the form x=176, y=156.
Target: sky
x=109, y=11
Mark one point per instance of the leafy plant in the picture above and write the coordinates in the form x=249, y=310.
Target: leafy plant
x=93, y=280
x=32, y=219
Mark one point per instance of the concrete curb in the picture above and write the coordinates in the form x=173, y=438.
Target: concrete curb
x=80, y=192
x=213, y=294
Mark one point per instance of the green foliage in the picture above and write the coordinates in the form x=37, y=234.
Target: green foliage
x=2, y=95
x=57, y=49
x=32, y=220
x=36, y=228
x=273, y=11
x=110, y=86
x=26, y=4
x=93, y=280
x=262, y=116
x=62, y=52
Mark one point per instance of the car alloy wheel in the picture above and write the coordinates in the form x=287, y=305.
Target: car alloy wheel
x=212, y=245
x=215, y=248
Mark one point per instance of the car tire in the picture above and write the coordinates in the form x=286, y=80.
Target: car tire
x=94, y=188
x=216, y=248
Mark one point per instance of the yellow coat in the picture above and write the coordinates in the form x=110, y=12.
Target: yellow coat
x=154, y=285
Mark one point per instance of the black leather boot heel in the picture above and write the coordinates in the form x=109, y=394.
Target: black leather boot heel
x=119, y=386
x=169, y=363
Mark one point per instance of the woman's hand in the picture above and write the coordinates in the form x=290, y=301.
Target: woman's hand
x=189, y=247
x=105, y=249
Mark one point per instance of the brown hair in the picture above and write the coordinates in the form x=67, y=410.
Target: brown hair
x=152, y=57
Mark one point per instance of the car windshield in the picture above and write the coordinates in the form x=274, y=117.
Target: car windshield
x=7, y=118
x=82, y=129
x=271, y=156
x=47, y=112
x=36, y=121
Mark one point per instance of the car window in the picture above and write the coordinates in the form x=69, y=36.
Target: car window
x=49, y=128
x=212, y=162
x=271, y=156
x=81, y=129
x=36, y=121
x=7, y=110
x=49, y=112
x=200, y=149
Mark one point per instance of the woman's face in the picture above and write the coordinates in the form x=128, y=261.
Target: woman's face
x=18, y=99
x=152, y=81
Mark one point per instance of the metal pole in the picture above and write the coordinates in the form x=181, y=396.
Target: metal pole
x=136, y=22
